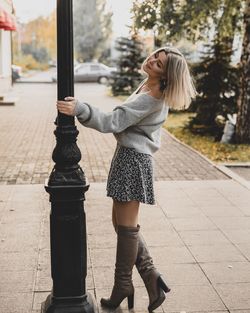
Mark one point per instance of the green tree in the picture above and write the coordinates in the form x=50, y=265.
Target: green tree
x=218, y=79
x=174, y=19
x=215, y=76
x=126, y=79
x=92, y=28
x=217, y=85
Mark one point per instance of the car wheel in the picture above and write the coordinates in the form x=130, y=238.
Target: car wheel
x=103, y=80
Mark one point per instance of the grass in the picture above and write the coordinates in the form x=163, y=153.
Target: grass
x=215, y=151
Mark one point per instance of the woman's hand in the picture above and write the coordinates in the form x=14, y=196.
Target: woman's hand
x=67, y=107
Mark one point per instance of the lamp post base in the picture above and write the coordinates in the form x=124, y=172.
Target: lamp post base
x=82, y=304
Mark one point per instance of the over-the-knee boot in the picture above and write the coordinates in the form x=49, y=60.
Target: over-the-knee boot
x=126, y=254
x=152, y=279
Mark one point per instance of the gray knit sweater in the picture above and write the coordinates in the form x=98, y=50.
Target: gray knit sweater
x=135, y=124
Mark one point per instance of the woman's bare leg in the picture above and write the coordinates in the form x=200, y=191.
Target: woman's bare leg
x=125, y=213
x=114, y=217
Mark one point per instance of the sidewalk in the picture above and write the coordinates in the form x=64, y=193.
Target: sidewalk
x=198, y=234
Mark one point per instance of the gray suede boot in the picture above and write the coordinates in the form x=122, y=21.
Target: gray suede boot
x=126, y=253
x=152, y=279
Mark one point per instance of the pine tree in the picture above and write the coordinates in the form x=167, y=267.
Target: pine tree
x=217, y=84
x=126, y=79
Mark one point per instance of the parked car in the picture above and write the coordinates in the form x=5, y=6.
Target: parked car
x=16, y=72
x=91, y=72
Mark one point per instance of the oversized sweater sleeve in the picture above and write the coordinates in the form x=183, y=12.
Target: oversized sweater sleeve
x=122, y=117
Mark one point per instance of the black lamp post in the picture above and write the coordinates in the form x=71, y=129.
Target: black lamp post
x=67, y=186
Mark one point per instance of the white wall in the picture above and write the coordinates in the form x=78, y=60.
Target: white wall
x=5, y=53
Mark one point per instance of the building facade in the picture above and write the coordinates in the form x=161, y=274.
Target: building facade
x=7, y=25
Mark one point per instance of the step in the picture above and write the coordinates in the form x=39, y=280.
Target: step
x=8, y=101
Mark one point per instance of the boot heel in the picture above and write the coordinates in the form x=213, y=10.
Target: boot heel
x=131, y=301
x=163, y=285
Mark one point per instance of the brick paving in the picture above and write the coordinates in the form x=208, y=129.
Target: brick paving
x=27, y=141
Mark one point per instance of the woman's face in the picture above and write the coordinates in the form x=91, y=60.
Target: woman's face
x=155, y=66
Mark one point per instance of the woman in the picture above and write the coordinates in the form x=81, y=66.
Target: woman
x=136, y=126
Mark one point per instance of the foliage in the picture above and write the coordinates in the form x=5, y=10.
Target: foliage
x=27, y=62
x=35, y=42
x=128, y=75
x=217, y=79
x=39, y=54
x=92, y=29
x=217, y=85
x=192, y=19
x=215, y=151
x=161, y=16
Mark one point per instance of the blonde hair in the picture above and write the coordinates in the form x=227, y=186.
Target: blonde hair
x=180, y=89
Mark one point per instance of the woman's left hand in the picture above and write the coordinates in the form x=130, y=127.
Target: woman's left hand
x=67, y=107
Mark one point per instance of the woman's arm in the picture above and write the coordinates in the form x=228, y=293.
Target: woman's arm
x=128, y=114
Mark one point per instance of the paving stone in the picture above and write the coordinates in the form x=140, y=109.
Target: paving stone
x=219, y=210
x=216, y=253
x=182, y=211
x=39, y=297
x=240, y=311
x=18, y=261
x=102, y=257
x=203, y=237
x=227, y=272
x=193, y=223
x=162, y=238
x=100, y=241
x=171, y=254
x=13, y=302
x=192, y=298
x=235, y=296
x=245, y=249
x=229, y=222
x=18, y=281
x=237, y=235
x=183, y=274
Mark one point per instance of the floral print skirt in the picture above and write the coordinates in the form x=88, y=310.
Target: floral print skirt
x=131, y=176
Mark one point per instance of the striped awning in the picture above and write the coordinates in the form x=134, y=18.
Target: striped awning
x=7, y=20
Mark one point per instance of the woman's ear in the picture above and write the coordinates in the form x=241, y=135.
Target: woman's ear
x=163, y=84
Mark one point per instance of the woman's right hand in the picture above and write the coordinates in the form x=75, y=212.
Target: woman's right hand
x=68, y=106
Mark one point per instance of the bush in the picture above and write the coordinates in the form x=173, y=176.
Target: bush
x=27, y=62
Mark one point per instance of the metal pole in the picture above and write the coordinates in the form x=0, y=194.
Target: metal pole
x=67, y=186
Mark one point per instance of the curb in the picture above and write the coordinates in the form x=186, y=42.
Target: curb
x=33, y=82
x=224, y=167
x=221, y=167
x=198, y=153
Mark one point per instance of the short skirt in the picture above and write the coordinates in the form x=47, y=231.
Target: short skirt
x=131, y=176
